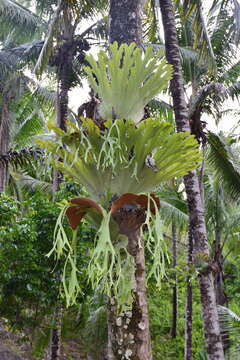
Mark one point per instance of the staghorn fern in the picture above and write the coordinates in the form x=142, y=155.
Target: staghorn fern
x=122, y=161
x=116, y=162
x=127, y=81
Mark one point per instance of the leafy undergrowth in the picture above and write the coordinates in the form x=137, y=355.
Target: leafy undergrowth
x=13, y=346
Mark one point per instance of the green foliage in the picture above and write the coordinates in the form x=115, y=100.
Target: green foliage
x=126, y=81
x=146, y=155
x=103, y=162
x=17, y=22
x=9, y=210
x=164, y=346
x=47, y=48
x=26, y=278
x=225, y=163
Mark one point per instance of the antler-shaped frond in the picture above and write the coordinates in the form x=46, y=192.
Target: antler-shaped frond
x=127, y=80
x=125, y=158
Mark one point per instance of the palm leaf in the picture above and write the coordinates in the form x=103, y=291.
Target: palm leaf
x=17, y=57
x=173, y=207
x=30, y=183
x=19, y=158
x=225, y=165
x=48, y=43
x=186, y=52
x=230, y=331
x=202, y=41
x=18, y=21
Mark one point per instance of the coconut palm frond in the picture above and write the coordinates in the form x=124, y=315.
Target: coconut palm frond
x=30, y=183
x=18, y=158
x=18, y=21
x=47, y=48
x=218, y=93
x=202, y=41
x=232, y=74
x=224, y=20
x=98, y=30
x=31, y=126
x=230, y=330
x=187, y=53
x=234, y=90
x=227, y=8
x=174, y=208
x=16, y=57
x=151, y=27
x=92, y=8
x=224, y=164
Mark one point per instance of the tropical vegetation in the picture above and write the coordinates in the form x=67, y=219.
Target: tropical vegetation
x=119, y=216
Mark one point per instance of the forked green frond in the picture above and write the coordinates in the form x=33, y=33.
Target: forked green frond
x=127, y=80
x=125, y=158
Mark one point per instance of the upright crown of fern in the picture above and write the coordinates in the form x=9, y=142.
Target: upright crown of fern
x=127, y=80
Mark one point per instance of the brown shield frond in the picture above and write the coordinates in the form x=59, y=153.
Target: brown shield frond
x=79, y=209
x=129, y=211
x=137, y=200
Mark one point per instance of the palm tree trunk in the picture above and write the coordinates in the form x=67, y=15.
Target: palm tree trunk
x=55, y=346
x=129, y=332
x=196, y=212
x=174, y=294
x=4, y=140
x=189, y=304
x=125, y=21
x=64, y=70
x=221, y=297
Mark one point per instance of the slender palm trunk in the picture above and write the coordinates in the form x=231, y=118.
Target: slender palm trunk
x=55, y=345
x=4, y=140
x=64, y=70
x=63, y=84
x=129, y=334
x=196, y=212
x=174, y=290
x=189, y=304
x=219, y=278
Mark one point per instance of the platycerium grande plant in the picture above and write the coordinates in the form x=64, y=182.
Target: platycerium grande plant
x=120, y=168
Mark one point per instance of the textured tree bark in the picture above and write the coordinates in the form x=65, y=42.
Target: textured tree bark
x=221, y=297
x=4, y=140
x=189, y=304
x=129, y=332
x=64, y=69
x=125, y=21
x=55, y=348
x=196, y=213
x=174, y=294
